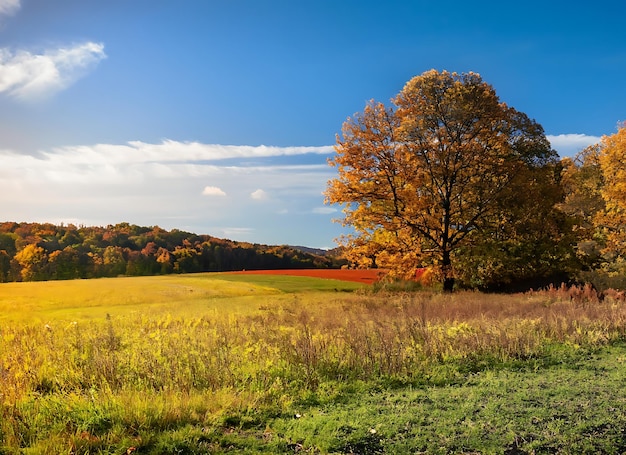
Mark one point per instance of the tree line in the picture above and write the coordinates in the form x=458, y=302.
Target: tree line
x=44, y=251
x=451, y=178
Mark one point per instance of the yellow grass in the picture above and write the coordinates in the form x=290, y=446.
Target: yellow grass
x=46, y=301
x=100, y=357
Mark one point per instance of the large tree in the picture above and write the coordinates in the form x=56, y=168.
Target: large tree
x=432, y=171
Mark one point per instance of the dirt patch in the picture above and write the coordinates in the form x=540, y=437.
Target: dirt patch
x=360, y=276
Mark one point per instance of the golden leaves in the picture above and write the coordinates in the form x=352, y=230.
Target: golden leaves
x=612, y=160
x=428, y=169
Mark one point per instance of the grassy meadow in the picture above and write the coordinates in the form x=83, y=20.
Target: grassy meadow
x=225, y=363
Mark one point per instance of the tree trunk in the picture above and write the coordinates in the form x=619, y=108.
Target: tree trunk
x=446, y=271
x=448, y=284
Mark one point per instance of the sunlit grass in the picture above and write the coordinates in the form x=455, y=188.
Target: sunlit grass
x=209, y=362
x=183, y=294
x=294, y=284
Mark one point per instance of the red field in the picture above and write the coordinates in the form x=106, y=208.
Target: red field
x=360, y=276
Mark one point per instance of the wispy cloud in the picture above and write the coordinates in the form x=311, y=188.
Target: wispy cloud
x=169, y=150
x=114, y=164
x=30, y=76
x=570, y=144
x=9, y=7
x=169, y=153
x=184, y=184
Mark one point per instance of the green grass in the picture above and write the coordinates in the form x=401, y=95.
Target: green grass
x=294, y=284
x=219, y=363
x=578, y=406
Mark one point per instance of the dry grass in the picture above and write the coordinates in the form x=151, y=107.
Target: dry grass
x=277, y=350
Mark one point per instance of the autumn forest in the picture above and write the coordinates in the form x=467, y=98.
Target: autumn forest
x=36, y=251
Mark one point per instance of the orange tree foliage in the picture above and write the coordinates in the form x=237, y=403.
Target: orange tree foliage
x=447, y=167
x=595, y=185
x=612, y=160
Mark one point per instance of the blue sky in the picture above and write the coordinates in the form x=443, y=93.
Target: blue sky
x=217, y=117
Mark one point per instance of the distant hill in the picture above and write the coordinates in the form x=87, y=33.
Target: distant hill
x=332, y=253
x=44, y=251
x=306, y=249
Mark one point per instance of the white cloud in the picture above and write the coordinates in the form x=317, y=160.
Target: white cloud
x=570, y=144
x=9, y=7
x=259, y=195
x=171, y=152
x=213, y=191
x=114, y=165
x=174, y=151
x=186, y=186
x=111, y=164
x=29, y=76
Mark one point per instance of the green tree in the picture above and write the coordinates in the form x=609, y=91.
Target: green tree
x=7, y=243
x=113, y=261
x=64, y=264
x=5, y=266
x=432, y=170
x=186, y=260
x=71, y=237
